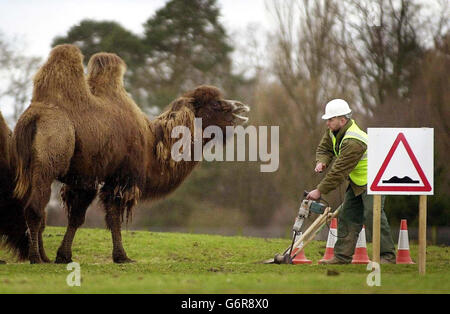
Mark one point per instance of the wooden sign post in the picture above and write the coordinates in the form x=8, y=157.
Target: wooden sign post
x=400, y=162
x=376, y=228
x=422, y=233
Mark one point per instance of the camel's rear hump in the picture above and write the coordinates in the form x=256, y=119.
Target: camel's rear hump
x=61, y=79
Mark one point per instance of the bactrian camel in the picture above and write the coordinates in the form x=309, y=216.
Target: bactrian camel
x=91, y=136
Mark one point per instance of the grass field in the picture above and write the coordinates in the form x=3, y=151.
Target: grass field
x=191, y=263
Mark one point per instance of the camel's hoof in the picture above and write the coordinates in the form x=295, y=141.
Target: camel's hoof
x=46, y=260
x=123, y=260
x=62, y=260
x=35, y=260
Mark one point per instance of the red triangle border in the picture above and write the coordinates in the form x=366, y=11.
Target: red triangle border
x=375, y=187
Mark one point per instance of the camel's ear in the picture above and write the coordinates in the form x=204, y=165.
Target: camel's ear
x=204, y=95
x=178, y=103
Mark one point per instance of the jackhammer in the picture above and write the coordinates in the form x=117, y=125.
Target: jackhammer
x=306, y=207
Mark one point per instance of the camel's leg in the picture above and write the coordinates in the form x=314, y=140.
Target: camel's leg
x=44, y=257
x=35, y=217
x=115, y=207
x=51, y=153
x=114, y=222
x=77, y=202
x=34, y=222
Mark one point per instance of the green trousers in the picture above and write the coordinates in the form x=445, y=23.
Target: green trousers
x=354, y=212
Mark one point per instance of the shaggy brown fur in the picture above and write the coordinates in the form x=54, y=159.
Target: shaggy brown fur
x=12, y=222
x=5, y=136
x=89, y=137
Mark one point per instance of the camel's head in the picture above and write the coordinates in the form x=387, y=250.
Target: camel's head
x=214, y=110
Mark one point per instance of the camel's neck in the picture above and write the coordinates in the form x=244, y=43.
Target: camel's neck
x=165, y=173
x=167, y=177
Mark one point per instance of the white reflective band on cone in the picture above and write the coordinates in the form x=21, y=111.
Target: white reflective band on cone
x=332, y=238
x=403, y=242
x=361, y=239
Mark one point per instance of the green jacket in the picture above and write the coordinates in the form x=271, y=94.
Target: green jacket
x=351, y=152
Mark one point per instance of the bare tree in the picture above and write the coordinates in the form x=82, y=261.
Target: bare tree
x=382, y=46
x=305, y=57
x=310, y=71
x=16, y=72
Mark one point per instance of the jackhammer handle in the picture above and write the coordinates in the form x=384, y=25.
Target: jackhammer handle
x=305, y=193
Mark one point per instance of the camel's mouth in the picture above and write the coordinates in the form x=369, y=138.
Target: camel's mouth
x=239, y=111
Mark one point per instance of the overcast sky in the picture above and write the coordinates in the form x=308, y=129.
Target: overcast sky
x=34, y=23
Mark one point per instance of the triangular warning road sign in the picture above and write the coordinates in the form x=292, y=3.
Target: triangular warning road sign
x=426, y=187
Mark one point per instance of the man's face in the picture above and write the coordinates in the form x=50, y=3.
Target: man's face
x=335, y=123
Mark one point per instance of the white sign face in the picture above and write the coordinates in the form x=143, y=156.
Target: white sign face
x=400, y=161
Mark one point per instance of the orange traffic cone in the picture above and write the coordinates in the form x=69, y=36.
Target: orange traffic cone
x=360, y=256
x=331, y=241
x=300, y=258
x=403, y=256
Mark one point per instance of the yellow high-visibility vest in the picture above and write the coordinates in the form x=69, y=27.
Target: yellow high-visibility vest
x=359, y=174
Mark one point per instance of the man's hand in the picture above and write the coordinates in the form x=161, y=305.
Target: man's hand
x=314, y=195
x=320, y=167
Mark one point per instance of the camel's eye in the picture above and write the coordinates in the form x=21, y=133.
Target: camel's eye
x=216, y=106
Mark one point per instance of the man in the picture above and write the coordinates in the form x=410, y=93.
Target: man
x=348, y=143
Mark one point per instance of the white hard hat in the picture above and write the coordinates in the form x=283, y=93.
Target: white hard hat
x=336, y=108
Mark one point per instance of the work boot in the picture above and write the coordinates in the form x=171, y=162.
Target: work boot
x=334, y=261
x=387, y=260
